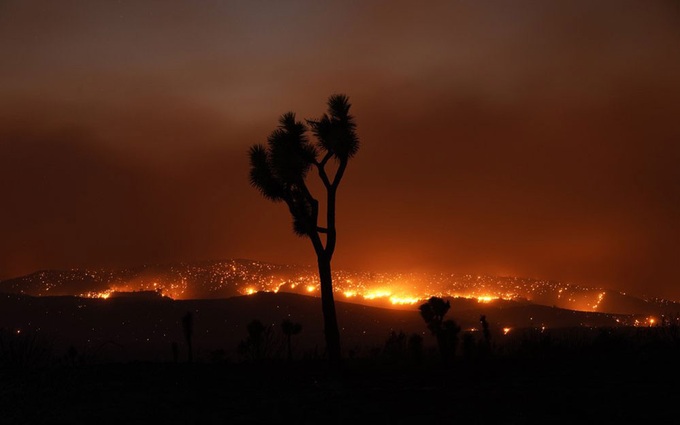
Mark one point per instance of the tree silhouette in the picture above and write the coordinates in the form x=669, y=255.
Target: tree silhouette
x=485, y=329
x=486, y=343
x=415, y=347
x=289, y=329
x=433, y=312
x=188, y=328
x=446, y=331
x=279, y=170
x=449, y=339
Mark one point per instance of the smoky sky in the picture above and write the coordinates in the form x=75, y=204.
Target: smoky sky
x=537, y=139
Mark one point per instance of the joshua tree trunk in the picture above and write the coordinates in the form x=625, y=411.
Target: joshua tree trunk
x=330, y=320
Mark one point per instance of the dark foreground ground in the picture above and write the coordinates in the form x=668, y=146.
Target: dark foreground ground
x=640, y=387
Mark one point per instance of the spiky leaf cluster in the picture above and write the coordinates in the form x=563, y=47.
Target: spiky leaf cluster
x=279, y=168
x=433, y=312
x=336, y=129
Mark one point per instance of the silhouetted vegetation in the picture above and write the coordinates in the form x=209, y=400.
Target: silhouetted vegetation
x=485, y=329
x=279, y=170
x=289, y=329
x=485, y=345
x=188, y=329
x=395, y=345
x=259, y=344
x=23, y=349
x=446, y=331
x=559, y=370
x=415, y=347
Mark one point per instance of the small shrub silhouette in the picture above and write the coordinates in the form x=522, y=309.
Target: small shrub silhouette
x=415, y=347
x=289, y=329
x=395, y=345
x=188, y=328
x=23, y=349
x=260, y=343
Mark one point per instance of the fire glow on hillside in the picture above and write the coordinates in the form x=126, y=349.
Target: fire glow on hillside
x=401, y=290
x=225, y=279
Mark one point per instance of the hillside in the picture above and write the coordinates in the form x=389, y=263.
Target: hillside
x=133, y=328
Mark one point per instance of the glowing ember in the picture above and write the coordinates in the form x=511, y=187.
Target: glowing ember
x=506, y=331
x=311, y=288
x=600, y=297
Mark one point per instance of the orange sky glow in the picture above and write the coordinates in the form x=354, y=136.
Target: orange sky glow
x=523, y=139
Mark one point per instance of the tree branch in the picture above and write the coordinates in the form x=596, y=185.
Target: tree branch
x=322, y=173
x=339, y=174
x=325, y=159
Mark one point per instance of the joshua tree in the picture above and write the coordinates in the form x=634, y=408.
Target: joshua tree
x=188, y=328
x=289, y=329
x=279, y=170
x=446, y=331
x=433, y=312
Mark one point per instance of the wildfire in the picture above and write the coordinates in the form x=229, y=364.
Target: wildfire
x=600, y=297
x=403, y=300
x=486, y=298
x=380, y=293
x=103, y=295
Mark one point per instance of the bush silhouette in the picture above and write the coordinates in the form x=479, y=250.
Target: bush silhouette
x=395, y=345
x=259, y=345
x=415, y=347
x=469, y=345
x=188, y=329
x=23, y=349
x=289, y=329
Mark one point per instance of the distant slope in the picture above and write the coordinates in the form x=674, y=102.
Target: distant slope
x=229, y=278
x=144, y=328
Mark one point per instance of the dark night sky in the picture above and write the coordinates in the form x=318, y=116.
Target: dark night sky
x=525, y=138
